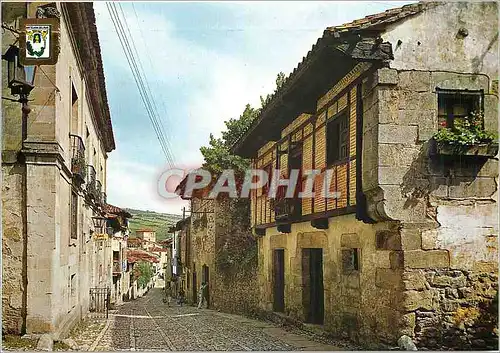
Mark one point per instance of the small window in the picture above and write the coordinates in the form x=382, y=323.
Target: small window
x=74, y=95
x=455, y=105
x=74, y=215
x=336, y=138
x=350, y=260
x=269, y=170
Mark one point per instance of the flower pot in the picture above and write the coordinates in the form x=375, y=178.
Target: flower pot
x=479, y=150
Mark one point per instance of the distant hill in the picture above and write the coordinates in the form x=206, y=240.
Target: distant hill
x=159, y=222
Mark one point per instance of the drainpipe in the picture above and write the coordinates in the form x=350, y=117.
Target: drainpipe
x=24, y=214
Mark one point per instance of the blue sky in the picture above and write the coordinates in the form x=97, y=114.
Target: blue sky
x=204, y=62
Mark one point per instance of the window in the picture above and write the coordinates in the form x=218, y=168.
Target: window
x=336, y=138
x=269, y=170
x=74, y=215
x=74, y=110
x=455, y=105
x=350, y=260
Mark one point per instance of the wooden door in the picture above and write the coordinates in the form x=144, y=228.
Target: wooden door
x=279, y=280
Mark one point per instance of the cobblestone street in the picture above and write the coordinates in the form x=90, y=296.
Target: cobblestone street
x=148, y=324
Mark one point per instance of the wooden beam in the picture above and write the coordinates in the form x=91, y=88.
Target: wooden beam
x=285, y=228
x=368, y=49
x=260, y=231
x=321, y=223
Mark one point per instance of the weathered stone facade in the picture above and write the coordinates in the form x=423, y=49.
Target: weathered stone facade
x=447, y=210
x=424, y=228
x=217, y=245
x=49, y=257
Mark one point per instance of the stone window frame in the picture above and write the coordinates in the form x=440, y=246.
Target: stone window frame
x=351, y=260
x=73, y=219
x=446, y=113
x=73, y=290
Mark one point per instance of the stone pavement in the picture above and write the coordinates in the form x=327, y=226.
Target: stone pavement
x=148, y=324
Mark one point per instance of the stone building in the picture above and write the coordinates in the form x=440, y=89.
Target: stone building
x=54, y=178
x=148, y=235
x=117, y=229
x=407, y=241
x=216, y=246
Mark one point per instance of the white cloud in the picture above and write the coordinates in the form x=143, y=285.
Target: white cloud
x=219, y=83
x=135, y=185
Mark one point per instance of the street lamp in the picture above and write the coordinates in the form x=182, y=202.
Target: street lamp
x=99, y=223
x=20, y=78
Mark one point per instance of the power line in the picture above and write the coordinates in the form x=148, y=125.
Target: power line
x=151, y=65
x=147, y=100
x=159, y=121
x=143, y=88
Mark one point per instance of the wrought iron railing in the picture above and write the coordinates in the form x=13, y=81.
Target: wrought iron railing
x=98, y=193
x=91, y=182
x=77, y=157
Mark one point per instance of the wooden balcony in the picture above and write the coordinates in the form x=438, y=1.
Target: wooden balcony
x=287, y=209
x=77, y=158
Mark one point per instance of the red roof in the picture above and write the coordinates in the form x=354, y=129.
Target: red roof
x=158, y=250
x=114, y=210
x=145, y=230
x=139, y=255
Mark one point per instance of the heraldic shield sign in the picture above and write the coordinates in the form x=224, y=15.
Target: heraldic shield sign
x=39, y=42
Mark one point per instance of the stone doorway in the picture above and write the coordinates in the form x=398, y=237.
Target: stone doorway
x=279, y=280
x=195, y=292
x=205, y=278
x=312, y=281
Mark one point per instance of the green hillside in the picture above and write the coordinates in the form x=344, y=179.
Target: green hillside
x=159, y=222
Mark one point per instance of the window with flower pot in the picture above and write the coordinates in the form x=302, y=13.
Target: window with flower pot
x=461, y=120
x=454, y=106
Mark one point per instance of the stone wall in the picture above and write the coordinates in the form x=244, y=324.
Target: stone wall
x=222, y=240
x=445, y=245
x=452, y=308
x=362, y=304
x=236, y=289
x=46, y=274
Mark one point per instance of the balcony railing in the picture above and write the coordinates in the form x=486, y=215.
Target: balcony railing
x=77, y=157
x=98, y=193
x=91, y=182
x=287, y=209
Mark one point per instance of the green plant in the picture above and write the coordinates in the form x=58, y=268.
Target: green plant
x=468, y=131
x=145, y=273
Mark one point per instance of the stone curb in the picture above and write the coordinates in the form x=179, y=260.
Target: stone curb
x=99, y=337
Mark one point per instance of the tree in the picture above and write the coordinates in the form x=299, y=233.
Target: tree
x=144, y=273
x=217, y=154
x=280, y=80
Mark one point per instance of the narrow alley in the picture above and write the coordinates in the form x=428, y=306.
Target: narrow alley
x=149, y=324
